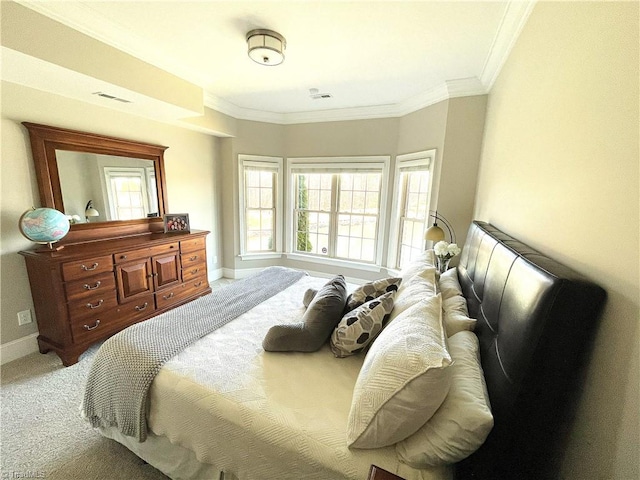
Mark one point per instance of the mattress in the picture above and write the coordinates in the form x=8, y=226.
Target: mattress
x=225, y=408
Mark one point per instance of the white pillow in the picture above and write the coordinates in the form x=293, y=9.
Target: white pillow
x=456, y=315
x=424, y=261
x=403, y=380
x=422, y=285
x=462, y=423
x=449, y=284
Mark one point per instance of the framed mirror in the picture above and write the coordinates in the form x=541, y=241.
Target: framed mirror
x=107, y=186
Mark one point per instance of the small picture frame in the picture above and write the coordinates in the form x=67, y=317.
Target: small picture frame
x=176, y=223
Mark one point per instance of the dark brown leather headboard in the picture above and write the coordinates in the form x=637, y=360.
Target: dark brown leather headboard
x=536, y=318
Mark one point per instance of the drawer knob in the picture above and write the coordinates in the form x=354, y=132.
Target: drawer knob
x=198, y=284
x=195, y=270
x=88, y=269
x=191, y=259
x=122, y=257
x=95, y=325
x=89, y=287
x=167, y=297
x=95, y=305
x=142, y=307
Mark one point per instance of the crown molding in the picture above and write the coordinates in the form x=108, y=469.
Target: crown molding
x=513, y=21
x=463, y=87
x=514, y=18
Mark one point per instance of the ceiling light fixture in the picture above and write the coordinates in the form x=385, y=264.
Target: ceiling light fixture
x=266, y=47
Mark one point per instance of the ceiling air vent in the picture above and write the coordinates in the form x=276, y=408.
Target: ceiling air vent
x=315, y=94
x=111, y=97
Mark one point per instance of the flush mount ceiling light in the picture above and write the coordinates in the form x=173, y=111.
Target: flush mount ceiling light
x=266, y=47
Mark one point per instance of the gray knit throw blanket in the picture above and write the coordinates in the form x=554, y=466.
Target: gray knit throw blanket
x=126, y=364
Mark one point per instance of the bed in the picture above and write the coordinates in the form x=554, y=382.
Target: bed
x=224, y=407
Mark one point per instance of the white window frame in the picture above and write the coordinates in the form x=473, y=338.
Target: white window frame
x=274, y=164
x=425, y=158
x=334, y=165
x=111, y=172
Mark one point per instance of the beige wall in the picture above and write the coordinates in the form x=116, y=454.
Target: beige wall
x=559, y=170
x=192, y=170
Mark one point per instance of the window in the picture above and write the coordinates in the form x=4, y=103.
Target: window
x=260, y=204
x=336, y=207
x=127, y=192
x=411, y=206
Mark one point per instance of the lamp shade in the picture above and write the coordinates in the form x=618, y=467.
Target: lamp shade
x=266, y=47
x=434, y=233
x=90, y=211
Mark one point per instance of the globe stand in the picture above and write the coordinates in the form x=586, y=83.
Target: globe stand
x=49, y=247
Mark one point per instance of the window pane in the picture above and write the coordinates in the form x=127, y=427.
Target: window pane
x=253, y=220
x=266, y=198
x=253, y=197
x=252, y=178
x=266, y=241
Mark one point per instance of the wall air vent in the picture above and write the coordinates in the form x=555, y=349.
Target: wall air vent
x=111, y=97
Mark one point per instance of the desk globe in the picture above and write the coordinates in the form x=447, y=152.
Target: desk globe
x=44, y=225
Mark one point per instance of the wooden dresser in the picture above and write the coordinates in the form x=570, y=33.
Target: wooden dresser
x=86, y=292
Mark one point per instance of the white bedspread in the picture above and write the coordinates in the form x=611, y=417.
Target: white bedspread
x=257, y=415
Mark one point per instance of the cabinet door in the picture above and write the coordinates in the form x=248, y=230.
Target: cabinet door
x=166, y=270
x=134, y=279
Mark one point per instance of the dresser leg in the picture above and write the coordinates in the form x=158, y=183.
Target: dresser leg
x=68, y=359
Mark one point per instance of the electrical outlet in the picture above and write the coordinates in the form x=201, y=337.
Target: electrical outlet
x=24, y=317
x=215, y=259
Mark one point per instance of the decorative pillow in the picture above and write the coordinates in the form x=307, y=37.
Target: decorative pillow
x=462, y=423
x=360, y=326
x=403, y=380
x=322, y=316
x=309, y=296
x=449, y=284
x=371, y=290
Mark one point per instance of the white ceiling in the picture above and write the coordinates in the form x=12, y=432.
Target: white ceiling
x=375, y=58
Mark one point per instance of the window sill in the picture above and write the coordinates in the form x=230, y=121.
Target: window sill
x=260, y=256
x=334, y=262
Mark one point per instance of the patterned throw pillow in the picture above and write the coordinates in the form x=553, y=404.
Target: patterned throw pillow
x=371, y=290
x=359, y=327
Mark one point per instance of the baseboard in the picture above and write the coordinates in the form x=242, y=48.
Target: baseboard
x=240, y=273
x=215, y=274
x=18, y=348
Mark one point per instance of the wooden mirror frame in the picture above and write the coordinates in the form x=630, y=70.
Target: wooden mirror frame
x=45, y=140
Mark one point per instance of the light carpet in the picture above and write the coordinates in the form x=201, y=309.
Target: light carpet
x=43, y=434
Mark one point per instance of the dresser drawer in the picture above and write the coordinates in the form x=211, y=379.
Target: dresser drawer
x=91, y=306
x=83, y=269
x=170, y=296
x=198, y=283
x=129, y=255
x=192, y=244
x=192, y=258
x=90, y=286
x=197, y=270
x=95, y=326
x=143, y=306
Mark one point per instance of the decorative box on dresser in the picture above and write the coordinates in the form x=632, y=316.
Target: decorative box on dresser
x=86, y=292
